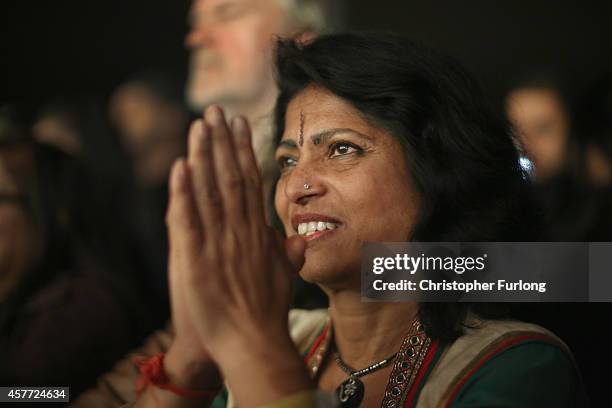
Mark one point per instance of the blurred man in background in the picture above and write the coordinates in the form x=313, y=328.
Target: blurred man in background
x=232, y=47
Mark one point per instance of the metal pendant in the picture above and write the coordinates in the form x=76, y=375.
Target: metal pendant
x=350, y=392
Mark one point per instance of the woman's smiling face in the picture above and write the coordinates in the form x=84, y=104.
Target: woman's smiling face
x=344, y=178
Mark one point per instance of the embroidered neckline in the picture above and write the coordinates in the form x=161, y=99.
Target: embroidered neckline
x=412, y=352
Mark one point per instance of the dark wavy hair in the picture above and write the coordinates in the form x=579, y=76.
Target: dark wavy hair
x=461, y=154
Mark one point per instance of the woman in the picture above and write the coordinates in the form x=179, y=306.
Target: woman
x=379, y=139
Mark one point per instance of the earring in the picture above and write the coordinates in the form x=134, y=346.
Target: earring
x=307, y=186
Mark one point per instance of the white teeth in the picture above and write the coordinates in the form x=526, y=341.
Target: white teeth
x=302, y=229
x=309, y=228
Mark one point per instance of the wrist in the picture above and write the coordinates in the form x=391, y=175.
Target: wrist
x=272, y=366
x=191, y=373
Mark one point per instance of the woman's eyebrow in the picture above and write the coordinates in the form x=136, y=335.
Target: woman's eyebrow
x=325, y=135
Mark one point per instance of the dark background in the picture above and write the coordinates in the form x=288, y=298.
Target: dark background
x=75, y=47
x=84, y=49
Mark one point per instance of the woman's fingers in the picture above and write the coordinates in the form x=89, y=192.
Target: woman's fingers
x=204, y=184
x=229, y=177
x=184, y=227
x=247, y=163
x=183, y=221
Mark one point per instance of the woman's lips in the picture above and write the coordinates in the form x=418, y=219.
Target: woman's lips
x=313, y=226
x=312, y=218
x=318, y=234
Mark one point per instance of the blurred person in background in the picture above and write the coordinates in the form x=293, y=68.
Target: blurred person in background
x=57, y=125
x=77, y=126
x=595, y=127
x=594, y=131
x=566, y=140
x=65, y=315
x=232, y=47
x=537, y=109
x=541, y=112
x=149, y=119
x=16, y=231
x=147, y=114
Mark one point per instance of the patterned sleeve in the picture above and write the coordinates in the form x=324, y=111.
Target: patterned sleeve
x=117, y=387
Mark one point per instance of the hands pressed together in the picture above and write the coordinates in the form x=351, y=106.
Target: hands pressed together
x=230, y=273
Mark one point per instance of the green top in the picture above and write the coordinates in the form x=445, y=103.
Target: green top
x=530, y=374
x=221, y=400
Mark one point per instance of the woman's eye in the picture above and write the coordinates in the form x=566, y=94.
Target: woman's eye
x=341, y=149
x=286, y=161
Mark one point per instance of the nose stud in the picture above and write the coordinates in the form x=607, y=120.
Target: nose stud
x=307, y=186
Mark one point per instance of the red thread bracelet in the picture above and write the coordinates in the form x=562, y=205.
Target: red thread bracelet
x=152, y=373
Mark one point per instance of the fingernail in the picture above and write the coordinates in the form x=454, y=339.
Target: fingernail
x=213, y=115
